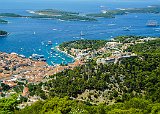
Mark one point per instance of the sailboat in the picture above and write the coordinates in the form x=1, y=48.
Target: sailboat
x=152, y=23
x=81, y=34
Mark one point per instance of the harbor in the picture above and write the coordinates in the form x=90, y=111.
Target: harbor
x=28, y=37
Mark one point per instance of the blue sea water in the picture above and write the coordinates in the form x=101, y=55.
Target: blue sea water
x=22, y=39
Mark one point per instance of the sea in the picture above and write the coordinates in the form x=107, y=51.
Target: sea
x=30, y=36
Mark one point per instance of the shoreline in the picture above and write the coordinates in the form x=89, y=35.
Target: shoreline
x=57, y=48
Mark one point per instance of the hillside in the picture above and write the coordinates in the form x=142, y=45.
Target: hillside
x=130, y=86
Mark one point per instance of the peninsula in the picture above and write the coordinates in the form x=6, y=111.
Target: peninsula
x=113, y=13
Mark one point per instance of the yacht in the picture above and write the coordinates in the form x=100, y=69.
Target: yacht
x=53, y=49
x=81, y=34
x=152, y=23
x=37, y=57
x=53, y=63
x=49, y=42
x=126, y=29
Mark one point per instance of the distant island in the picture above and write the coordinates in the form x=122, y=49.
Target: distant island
x=74, y=16
x=10, y=15
x=52, y=14
x=113, y=13
x=62, y=15
x=3, y=33
x=3, y=21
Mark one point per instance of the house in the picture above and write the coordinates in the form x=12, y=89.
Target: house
x=25, y=92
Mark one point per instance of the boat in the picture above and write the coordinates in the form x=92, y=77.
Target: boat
x=81, y=34
x=111, y=24
x=22, y=56
x=157, y=29
x=63, y=59
x=49, y=42
x=126, y=29
x=54, y=29
x=42, y=59
x=152, y=23
x=104, y=11
x=42, y=43
x=82, y=38
x=52, y=49
x=37, y=57
x=53, y=63
x=34, y=33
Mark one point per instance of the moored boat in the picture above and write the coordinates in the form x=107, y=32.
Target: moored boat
x=152, y=23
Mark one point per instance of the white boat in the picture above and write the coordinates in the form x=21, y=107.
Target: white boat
x=111, y=24
x=52, y=63
x=52, y=48
x=49, y=42
x=37, y=57
x=81, y=34
x=22, y=56
x=152, y=23
x=126, y=29
x=54, y=29
x=42, y=43
x=104, y=11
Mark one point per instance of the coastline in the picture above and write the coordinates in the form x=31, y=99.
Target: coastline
x=57, y=48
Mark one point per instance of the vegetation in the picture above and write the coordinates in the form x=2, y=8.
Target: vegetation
x=129, y=87
x=62, y=15
x=83, y=44
x=134, y=77
x=150, y=48
x=113, y=13
x=53, y=14
x=8, y=105
x=128, y=39
x=3, y=33
x=66, y=106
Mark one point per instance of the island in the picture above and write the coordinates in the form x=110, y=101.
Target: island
x=3, y=33
x=52, y=14
x=10, y=15
x=61, y=15
x=113, y=13
x=3, y=21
